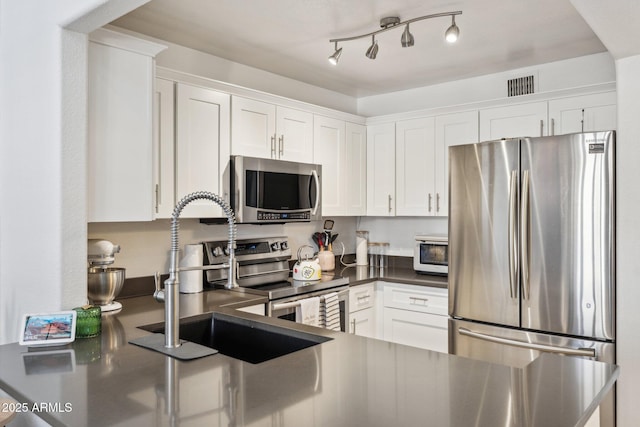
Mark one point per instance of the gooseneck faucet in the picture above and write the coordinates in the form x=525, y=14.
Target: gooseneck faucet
x=171, y=293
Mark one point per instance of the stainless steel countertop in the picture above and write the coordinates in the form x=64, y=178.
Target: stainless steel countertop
x=348, y=381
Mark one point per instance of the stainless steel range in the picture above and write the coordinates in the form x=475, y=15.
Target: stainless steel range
x=263, y=269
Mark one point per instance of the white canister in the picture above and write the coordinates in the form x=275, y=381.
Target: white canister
x=191, y=281
x=362, y=242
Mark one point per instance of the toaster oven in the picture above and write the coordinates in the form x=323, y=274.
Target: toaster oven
x=431, y=254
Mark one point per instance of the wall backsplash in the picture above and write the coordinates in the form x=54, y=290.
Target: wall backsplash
x=145, y=245
x=399, y=232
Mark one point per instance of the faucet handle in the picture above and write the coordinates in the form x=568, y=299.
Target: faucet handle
x=159, y=293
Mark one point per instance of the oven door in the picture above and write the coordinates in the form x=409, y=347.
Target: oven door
x=285, y=308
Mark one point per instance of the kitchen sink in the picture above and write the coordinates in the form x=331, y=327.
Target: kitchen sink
x=243, y=339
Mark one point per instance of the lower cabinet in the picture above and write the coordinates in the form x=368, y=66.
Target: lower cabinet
x=362, y=319
x=415, y=315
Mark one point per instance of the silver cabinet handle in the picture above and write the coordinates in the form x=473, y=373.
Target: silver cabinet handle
x=353, y=326
x=524, y=235
x=512, y=241
x=157, y=197
x=413, y=300
x=281, y=145
x=437, y=202
x=430, y=202
x=541, y=127
x=589, y=352
x=273, y=146
x=553, y=127
x=389, y=202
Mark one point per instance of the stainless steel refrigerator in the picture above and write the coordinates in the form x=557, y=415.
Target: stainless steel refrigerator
x=531, y=250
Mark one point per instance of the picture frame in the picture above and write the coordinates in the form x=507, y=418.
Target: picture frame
x=48, y=329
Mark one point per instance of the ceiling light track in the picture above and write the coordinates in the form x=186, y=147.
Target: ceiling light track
x=390, y=22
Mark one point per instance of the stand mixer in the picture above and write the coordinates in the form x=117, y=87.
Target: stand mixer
x=104, y=282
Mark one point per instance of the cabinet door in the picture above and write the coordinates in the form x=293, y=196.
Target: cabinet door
x=424, y=330
x=415, y=162
x=329, y=151
x=381, y=171
x=451, y=129
x=362, y=323
x=120, y=147
x=295, y=135
x=202, y=146
x=355, y=170
x=253, y=127
x=513, y=121
x=163, y=146
x=584, y=113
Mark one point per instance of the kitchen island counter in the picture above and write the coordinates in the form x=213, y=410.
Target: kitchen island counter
x=347, y=381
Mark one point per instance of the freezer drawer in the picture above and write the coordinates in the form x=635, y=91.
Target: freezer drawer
x=518, y=348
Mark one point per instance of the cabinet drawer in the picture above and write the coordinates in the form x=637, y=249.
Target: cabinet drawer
x=416, y=298
x=361, y=297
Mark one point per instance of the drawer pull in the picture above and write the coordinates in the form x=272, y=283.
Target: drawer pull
x=418, y=301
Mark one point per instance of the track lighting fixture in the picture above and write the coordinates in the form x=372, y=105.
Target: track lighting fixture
x=407, y=40
x=333, y=59
x=452, y=33
x=373, y=49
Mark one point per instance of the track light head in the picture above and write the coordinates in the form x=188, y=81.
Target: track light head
x=407, y=38
x=333, y=59
x=372, y=52
x=452, y=33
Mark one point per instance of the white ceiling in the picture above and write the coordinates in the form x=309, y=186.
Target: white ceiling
x=291, y=37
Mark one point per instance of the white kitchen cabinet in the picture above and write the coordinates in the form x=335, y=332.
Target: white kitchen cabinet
x=415, y=167
x=584, y=113
x=381, y=169
x=415, y=316
x=451, y=129
x=120, y=127
x=163, y=148
x=261, y=129
x=340, y=148
x=513, y=121
x=202, y=146
x=362, y=300
x=355, y=169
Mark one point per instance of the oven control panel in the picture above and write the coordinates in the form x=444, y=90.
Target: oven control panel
x=258, y=249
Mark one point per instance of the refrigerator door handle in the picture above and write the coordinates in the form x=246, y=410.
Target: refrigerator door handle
x=513, y=244
x=524, y=235
x=589, y=352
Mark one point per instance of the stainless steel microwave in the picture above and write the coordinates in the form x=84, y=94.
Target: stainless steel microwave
x=264, y=191
x=431, y=254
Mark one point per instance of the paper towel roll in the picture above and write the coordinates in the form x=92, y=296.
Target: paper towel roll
x=191, y=281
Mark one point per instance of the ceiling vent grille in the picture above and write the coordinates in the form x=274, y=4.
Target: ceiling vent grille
x=520, y=86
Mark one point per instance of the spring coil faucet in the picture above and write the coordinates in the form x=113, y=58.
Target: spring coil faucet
x=170, y=294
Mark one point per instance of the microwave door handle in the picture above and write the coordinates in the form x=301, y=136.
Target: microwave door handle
x=317, y=182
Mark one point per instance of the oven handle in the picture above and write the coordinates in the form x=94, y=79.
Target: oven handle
x=260, y=273
x=296, y=303
x=317, y=181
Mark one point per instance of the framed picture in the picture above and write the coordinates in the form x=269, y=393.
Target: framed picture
x=48, y=328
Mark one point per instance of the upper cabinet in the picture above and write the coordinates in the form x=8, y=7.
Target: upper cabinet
x=261, y=129
x=163, y=148
x=340, y=147
x=415, y=167
x=583, y=113
x=514, y=121
x=381, y=169
x=451, y=129
x=201, y=146
x=120, y=141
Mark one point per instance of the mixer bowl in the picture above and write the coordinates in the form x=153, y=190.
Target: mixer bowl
x=104, y=284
